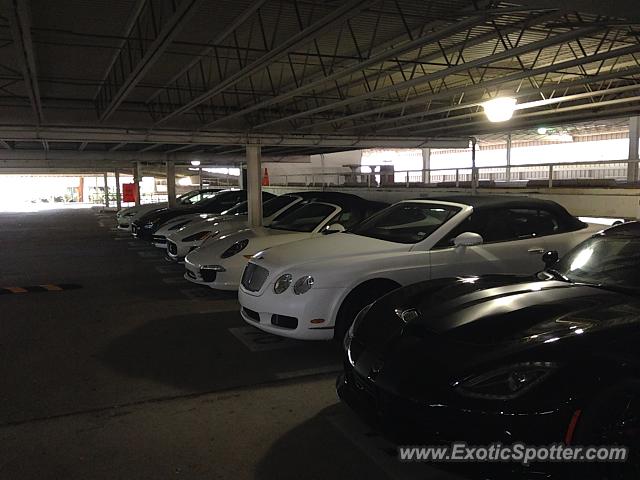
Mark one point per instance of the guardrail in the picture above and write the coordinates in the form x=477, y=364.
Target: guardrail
x=593, y=173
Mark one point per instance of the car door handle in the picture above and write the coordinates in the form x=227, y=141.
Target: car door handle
x=536, y=250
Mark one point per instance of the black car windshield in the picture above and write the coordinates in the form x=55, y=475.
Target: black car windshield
x=196, y=196
x=406, y=222
x=606, y=260
x=303, y=219
x=240, y=209
x=272, y=206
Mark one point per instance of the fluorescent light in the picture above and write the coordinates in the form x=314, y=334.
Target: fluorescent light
x=195, y=163
x=542, y=130
x=499, y=109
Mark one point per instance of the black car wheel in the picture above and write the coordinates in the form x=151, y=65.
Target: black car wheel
x=613, y=418
x=361, y=296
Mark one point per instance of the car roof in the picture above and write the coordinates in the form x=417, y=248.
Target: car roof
x=626, y=229
x=494, y=201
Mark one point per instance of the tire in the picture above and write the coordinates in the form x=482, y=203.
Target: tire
x=612, y=418
x=356, y=300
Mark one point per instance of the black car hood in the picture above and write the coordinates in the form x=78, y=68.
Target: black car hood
x=452, y=326
x=498, y=309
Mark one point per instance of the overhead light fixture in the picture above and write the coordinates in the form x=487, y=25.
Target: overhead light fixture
x=195, y=163
x=499, y=109
x=542, y=130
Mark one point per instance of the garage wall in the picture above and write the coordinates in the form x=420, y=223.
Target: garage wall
x=583, y=202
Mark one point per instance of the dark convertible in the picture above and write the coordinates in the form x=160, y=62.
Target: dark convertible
x=550, y=359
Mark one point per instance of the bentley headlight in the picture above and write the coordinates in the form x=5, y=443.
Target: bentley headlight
x=198, y=236
x=282, y=283
x=506, y=383
x=303, y=285
x=235, y=248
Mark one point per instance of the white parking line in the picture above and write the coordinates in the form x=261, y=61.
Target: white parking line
x=259, y=341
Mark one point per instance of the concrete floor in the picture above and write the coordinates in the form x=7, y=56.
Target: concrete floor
x=139, y=374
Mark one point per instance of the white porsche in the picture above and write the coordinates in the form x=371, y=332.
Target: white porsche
x=308, y=289
x=182, y=239
x=159, y=238
x=219, y=263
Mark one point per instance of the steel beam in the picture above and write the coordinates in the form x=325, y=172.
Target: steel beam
x=112, y=135
x=505, y=54
x=18, y=12
x=373, y=60
x=497, y=82
x=347, y=10
x=123, y=76
x=219, y=38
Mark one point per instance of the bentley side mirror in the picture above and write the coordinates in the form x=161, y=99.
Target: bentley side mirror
x=550, y=258
x=468, y=239
x=334, y=228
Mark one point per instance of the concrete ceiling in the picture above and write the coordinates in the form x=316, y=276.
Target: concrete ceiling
x=165, y=77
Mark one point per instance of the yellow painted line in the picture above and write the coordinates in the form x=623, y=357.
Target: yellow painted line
x=16, y=289
x=51, y=288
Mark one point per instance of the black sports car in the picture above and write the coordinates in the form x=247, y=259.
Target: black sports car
x=146, y=226
x=541, y=360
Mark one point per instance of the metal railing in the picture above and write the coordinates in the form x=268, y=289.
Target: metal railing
x=592, y=173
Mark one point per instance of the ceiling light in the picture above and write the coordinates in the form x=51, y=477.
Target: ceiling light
x=542, y=131
x=499, y=109
x=195, y=163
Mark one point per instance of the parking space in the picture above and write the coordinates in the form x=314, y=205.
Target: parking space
x=131, y=375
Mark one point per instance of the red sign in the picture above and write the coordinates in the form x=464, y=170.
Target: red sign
x=129, y=192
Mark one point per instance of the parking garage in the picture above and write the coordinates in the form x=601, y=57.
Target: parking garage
x=341, y=136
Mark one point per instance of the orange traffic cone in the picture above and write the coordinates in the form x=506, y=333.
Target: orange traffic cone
x=265, y=178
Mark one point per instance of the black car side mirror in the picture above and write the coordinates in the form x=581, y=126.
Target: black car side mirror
x=550, y=258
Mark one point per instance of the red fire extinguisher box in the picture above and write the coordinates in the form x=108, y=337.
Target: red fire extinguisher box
x=129, y=192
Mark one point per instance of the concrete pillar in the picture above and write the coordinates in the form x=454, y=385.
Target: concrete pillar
x=171, y=183
x=118, y=195
x=137, y=176
x=254, y=185
x=508, y=170
x=426, y=165
x=474, y=170
x=106, y=191
x=81, y=190
x=200, y=177
x=634, y=134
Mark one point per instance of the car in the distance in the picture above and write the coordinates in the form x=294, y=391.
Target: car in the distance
x=192, y=223
x=126, y=216
x=545, y=359
x=146, y=226
x=219, y=262
x=181, y=241
x=311, y=290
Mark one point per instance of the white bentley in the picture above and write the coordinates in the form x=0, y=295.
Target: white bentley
x=219, y=263
x=182, y=239
x=308, y=289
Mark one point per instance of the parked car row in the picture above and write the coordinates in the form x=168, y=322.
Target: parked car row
x=483, y=318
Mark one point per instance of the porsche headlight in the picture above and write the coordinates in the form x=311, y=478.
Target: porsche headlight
x=235, y=248
x=506, y=383
x=282, y=283
x=303, y=285
x=198, y=236
x=179, y=225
